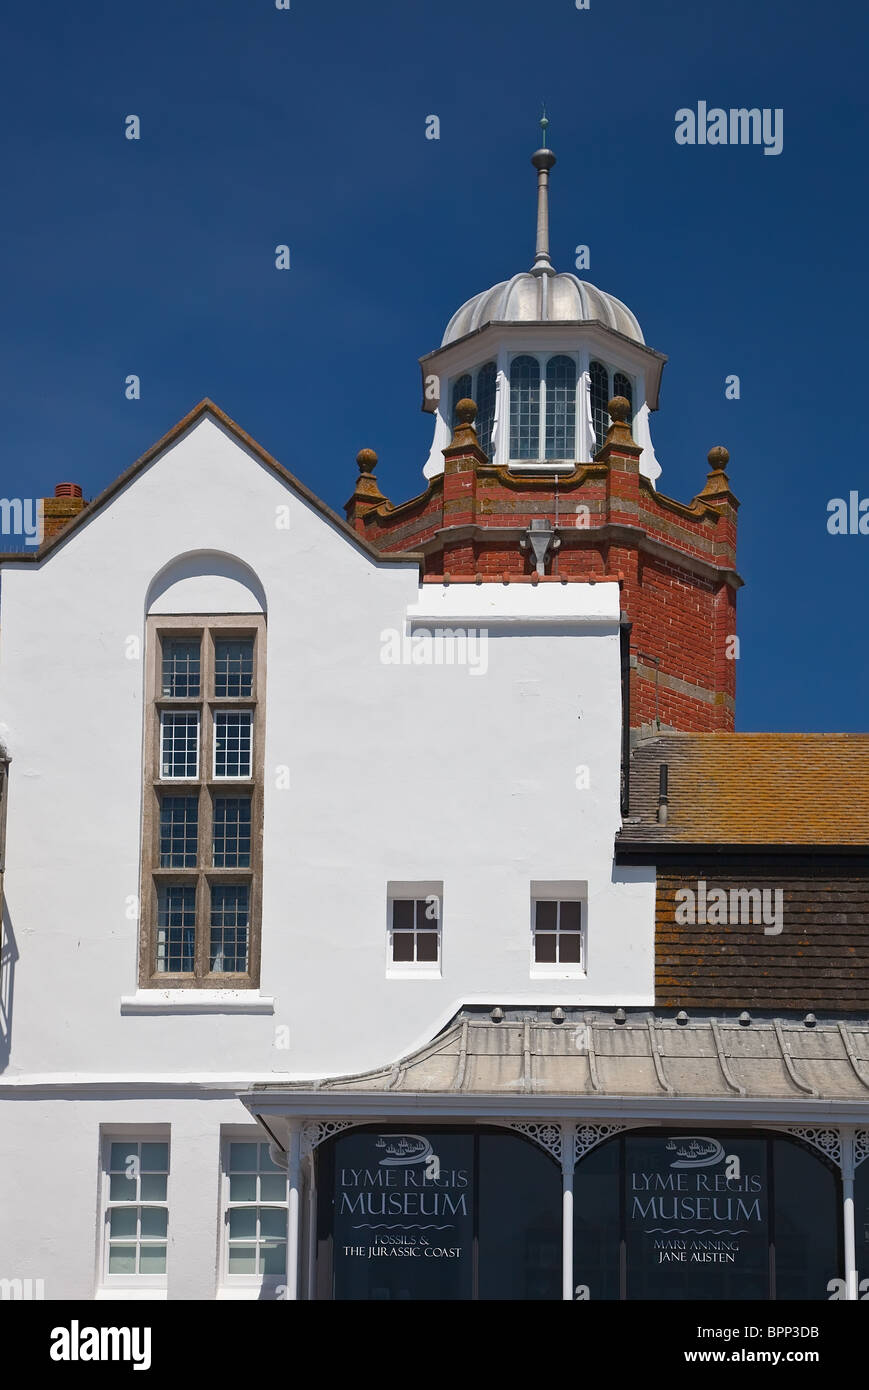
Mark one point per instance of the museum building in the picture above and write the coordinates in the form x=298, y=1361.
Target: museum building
x=394, y=912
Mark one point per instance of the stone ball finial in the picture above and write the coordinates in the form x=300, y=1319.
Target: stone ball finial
x=466, y=411
x=619, y=408
x=367, y=460
x=718, y=458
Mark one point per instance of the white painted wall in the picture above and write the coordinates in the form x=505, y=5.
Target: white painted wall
x=397, y=773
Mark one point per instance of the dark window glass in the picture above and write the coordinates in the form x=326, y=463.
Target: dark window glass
x=806, y=1224
x=560, y=408
x=487, y=381
x=461, y=391
x=179, y=829
x=233, y=667
x=569, y=916
x=525, y=408
x=402, y=946
x=569, y=948
x=622, y=386
x=597, y=1222
x=547, y=916
x=230, y=920
x=427, y=946
x=232, y=832
x=519, y=1216
x=180, y=667
x=402, y=914
x=176, y=927
x=600, y=395
x=545, y=948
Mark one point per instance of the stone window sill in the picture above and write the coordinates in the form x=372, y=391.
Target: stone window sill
x=197, y=1001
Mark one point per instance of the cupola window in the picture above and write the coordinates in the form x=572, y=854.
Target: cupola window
x=560, y=408
x=487, y=384
x=601, y=395
x=525, y=408
x=462, y=388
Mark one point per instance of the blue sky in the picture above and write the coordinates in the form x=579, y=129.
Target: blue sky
x=307, y=127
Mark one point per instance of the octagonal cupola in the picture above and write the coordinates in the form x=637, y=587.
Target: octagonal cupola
x=542, y=354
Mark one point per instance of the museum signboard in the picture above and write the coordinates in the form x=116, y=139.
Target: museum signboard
x=403, y=1216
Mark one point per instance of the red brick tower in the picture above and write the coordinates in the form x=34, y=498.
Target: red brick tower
x=558, y=481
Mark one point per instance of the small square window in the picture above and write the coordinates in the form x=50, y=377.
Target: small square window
x=415, y=931
x=557, y=934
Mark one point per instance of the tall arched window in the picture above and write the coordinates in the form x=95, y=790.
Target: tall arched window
x=560, y=407
x=462, y=387
x=485, y=398
x=599, y=399
x=525, y=408
x=623, y=386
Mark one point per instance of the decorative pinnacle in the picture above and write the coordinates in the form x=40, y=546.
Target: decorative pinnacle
x=367, y=460
x=543, y=160
x=718, y=458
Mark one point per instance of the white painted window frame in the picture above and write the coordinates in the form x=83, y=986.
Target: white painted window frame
x=129, y=1285
x=242, y=1286
x=170, y=714
x=239, y=776
x=562, y=891
x=401, y=892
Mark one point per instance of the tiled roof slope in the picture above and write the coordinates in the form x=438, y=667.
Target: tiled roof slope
x=751, y=789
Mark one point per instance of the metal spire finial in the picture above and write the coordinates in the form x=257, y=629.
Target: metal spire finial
x=543, y=160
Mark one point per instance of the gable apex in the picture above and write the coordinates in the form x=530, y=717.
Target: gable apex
x=207, y=408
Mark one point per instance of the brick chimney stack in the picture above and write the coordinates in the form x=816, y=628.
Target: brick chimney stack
x=66, y=503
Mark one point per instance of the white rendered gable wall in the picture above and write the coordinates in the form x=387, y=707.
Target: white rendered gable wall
x=396, y=773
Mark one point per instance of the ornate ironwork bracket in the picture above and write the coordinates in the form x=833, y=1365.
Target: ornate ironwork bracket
x=825, y=1139
x=317, y=1131
x=588, y=1136
x=545, y=1133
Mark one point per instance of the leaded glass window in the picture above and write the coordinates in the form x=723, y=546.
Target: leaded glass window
x=487, y=385
x=462, y=387
x=232, y=832
x=230, y=920
x=623, y=386
x=233, y=668
x=179, y=745
x=181, y=668
x=600, y=396
x=176, y=928
x=179, y=832
x=202, y=816
x=233, y=740
x=525, y=408
x=560, y=407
